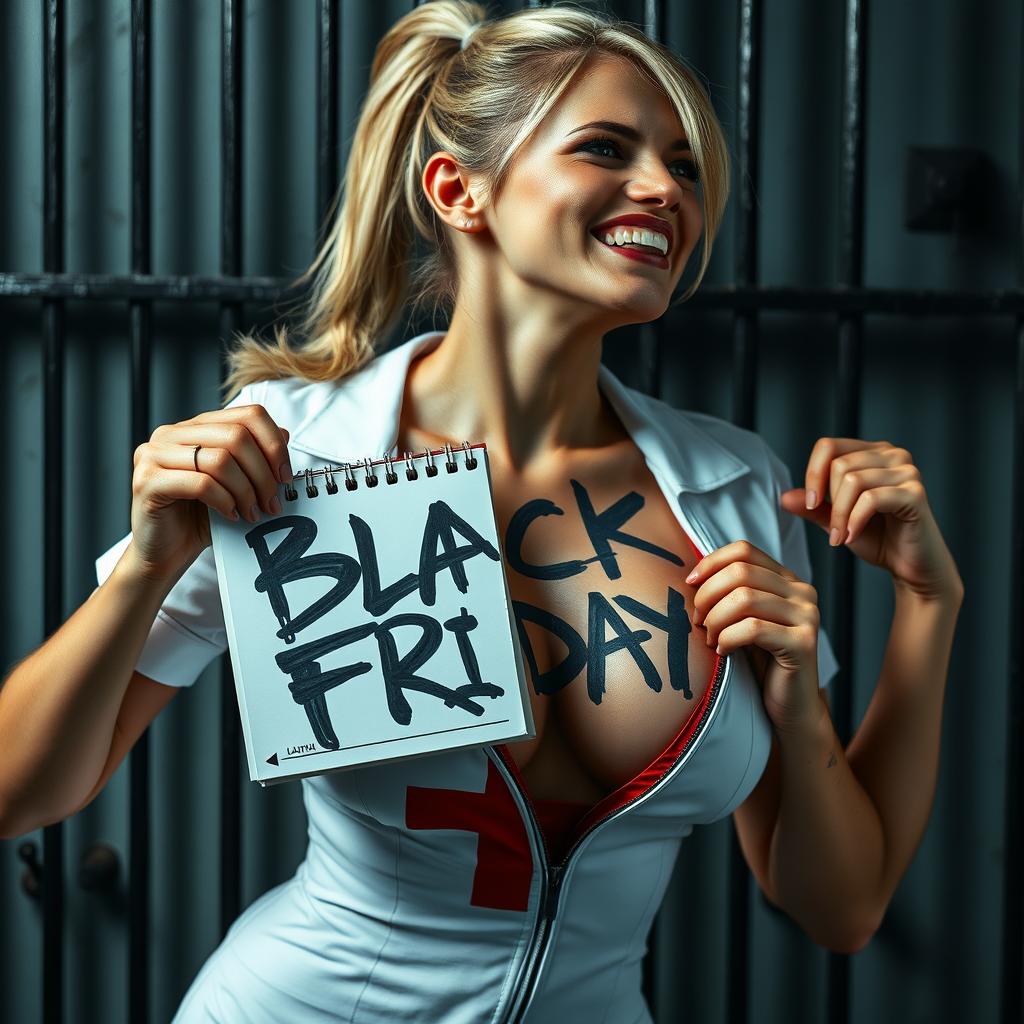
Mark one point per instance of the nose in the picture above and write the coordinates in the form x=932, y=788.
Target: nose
x=655, y=181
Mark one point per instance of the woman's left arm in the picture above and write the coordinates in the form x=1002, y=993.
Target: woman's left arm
x=849, y=821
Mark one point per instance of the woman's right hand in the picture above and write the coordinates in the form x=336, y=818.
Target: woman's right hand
x=242, y=461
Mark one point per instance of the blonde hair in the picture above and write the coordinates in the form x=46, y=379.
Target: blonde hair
x=480, y=104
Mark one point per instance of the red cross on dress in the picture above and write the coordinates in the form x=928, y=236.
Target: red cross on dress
x=504, y=866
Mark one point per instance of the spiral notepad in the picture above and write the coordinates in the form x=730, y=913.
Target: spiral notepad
x=370, y=620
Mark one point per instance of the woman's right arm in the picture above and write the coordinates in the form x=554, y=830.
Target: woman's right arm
x=59, y=706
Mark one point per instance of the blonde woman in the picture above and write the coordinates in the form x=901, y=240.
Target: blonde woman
x=562, y=169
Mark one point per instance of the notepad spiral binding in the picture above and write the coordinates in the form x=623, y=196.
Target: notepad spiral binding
x=390, y=476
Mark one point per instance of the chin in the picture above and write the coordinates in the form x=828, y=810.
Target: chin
x=638, y=312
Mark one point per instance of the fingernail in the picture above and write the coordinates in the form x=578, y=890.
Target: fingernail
x=275, y=505
x=812, y=497
x=693, y=575
x=833, y=537
x=285, y=472
x=254, y=513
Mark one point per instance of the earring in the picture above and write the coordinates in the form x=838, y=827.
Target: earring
x=468, y=222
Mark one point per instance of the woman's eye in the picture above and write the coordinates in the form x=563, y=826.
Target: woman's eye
x=601, y=143
x=691, y=167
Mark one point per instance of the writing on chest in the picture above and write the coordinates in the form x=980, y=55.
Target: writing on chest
x=571, y=582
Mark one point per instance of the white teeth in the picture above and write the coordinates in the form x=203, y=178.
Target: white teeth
x=642, y=236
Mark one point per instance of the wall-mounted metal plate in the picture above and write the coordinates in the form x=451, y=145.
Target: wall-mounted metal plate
x=942, y=188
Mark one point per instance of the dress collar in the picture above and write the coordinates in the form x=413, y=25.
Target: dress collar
x=359, y=419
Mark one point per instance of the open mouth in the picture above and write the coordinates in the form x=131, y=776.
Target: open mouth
x=636, y=251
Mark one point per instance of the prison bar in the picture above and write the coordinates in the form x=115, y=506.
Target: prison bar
x=838, y=300
x=140, y=327
x=328, y=156
x=232, y=21
x=53, y=436
x=744, y=413
x=850, y=374
x=1011, y=1007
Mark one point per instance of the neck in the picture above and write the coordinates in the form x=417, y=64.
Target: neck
x=531, y=396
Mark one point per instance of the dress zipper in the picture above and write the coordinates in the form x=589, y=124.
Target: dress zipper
x=552, y=887
x=554, y=873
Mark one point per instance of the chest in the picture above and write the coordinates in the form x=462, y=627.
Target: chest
x=596, y=563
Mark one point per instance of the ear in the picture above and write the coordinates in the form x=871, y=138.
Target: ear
x=448, y=189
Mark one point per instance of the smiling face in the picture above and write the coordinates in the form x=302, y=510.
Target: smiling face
x=567, y=180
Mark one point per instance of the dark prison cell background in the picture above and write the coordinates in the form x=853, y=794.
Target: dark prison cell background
x=866, y=282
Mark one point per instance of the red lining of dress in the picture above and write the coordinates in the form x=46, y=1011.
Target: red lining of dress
x=558, y=820
x=571, y=820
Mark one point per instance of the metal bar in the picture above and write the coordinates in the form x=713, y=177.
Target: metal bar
x=1012, y=999
x=327, y=165
x=232, y=17
x=744, y=414
x=53, y=448
x=650, y=335
x=1011, y=996
x=850, y=371
x=746, y=271
x=167, y=288
x=140, y=311
x=651, y=339
x=840, y=300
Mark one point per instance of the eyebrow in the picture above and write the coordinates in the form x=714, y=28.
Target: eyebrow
x=681, y=145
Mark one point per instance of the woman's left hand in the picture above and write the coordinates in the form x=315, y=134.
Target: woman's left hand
x=745, y=598
x=877, y=508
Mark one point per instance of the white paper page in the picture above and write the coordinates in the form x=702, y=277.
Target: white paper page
x=420, y=656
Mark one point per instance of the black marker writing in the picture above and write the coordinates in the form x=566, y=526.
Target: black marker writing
x=603, y=527
x=376, y=601
x=442, y=522
x=310, y=683
x=600, y=614
x=569, y=667
x=595, y=650
x=289, y=561
x=400, y=672
x=516, y=532
x=676, y=623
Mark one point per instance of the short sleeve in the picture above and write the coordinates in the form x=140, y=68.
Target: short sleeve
x=794, y=555
x=188, y=632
